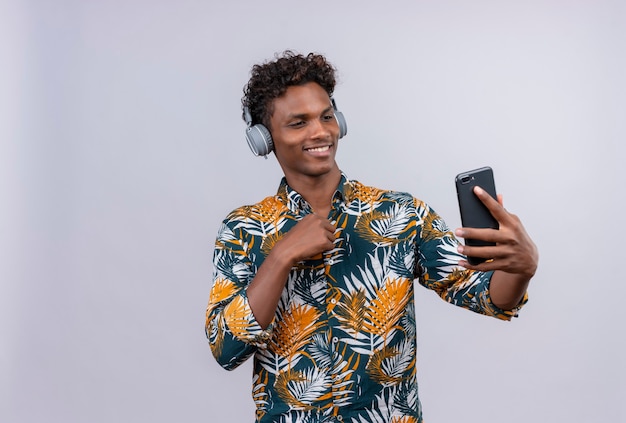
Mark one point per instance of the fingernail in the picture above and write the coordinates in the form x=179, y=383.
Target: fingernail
x=478, y=190
x=460, y=249
x=459, y=232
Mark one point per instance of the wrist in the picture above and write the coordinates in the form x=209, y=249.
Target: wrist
x=282, y=257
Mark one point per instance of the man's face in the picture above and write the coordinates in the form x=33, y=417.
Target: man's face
x=305, y=132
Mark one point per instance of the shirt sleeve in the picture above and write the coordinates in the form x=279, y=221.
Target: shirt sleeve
x=231, y=328
x=438, y=269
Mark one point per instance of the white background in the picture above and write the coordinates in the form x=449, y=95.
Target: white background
x=122, y=149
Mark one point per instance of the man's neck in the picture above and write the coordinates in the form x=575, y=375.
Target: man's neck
x=317, y=191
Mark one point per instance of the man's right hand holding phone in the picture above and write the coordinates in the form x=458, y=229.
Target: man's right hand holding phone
x=514, y=258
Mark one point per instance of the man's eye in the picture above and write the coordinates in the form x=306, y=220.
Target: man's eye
x=329, y=117
x=296, y=124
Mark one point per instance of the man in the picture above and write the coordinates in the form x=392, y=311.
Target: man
x=316, y=281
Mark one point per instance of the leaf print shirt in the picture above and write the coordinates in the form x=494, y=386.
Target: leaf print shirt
x=342, y=344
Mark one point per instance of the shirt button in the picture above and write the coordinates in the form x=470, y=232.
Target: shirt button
x=335, y=339
x=340, y=418
x=333, y=301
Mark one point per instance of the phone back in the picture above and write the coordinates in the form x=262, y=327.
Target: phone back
x=474, y=214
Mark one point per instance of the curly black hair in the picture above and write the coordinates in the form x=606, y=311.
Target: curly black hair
x=271, y=79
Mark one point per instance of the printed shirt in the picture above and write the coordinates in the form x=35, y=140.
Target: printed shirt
x=342, y=345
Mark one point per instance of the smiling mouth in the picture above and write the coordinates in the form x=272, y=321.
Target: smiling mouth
x=318, y=149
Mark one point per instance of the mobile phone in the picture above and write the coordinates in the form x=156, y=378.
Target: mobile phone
x=474, y=214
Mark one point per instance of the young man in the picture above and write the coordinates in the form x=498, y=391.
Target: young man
x=317, y=281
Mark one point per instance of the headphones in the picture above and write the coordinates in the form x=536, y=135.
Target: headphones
x=259, y=137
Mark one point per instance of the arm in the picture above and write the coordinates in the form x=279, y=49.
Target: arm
x=438, y=269
x=311, y=236
x=513, y=259
x=243, y=299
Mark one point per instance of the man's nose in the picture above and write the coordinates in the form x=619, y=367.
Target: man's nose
x=319, y=128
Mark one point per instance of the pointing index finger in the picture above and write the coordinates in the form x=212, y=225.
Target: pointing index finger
x=494, y=206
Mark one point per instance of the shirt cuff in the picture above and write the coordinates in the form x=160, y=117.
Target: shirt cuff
x=491, y=309
x=243, y=325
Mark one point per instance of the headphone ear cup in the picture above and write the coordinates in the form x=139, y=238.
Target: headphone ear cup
x=343, y=126
x=259, y=140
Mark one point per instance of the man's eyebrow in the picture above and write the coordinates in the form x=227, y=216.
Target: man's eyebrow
x=328, y=109
x=297, y=116
x=304, y=115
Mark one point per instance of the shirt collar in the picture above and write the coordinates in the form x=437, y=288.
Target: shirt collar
x=297, y=204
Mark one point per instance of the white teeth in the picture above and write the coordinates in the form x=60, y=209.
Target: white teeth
x=319, y=149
